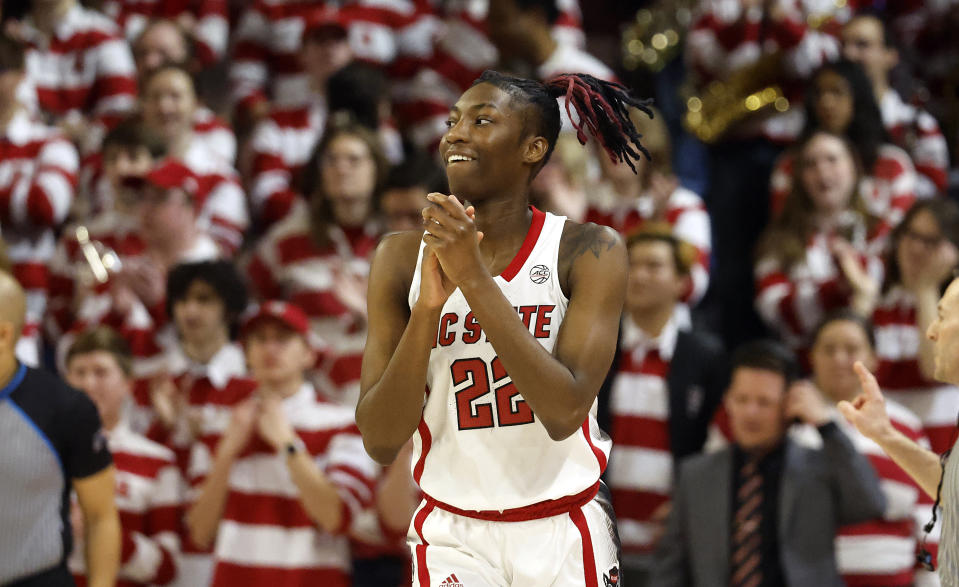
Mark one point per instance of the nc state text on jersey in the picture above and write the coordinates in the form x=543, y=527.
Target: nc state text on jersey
x=537, y=320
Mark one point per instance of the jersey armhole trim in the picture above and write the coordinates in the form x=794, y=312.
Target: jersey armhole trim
x=15, y=382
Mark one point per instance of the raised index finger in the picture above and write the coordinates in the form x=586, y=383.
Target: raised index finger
x=867, y=380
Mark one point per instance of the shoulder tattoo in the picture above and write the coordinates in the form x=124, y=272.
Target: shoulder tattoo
x=590, y=238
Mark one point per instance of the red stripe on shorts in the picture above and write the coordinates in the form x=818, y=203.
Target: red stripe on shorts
x=589, y=562
x=422, y=573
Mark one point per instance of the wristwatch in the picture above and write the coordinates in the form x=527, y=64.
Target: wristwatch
x=292, y=447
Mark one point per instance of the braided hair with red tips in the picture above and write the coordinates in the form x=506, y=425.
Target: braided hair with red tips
x=602, y=110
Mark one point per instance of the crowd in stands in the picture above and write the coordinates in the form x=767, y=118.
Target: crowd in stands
x=191, y=194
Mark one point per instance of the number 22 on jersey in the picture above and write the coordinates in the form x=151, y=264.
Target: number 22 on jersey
x=473, y=409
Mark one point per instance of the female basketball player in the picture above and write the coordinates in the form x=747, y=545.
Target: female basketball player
x=507, y=317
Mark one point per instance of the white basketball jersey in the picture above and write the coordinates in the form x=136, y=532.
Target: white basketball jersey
x=479, y=447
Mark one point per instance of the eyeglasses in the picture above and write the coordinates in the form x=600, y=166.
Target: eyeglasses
x=331, y=159
x=929, y=242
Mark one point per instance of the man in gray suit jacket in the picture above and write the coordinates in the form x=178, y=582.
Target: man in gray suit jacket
x=764, y=511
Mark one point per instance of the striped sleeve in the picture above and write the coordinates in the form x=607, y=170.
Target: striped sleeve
x=151, y=555
x=115, y=87
x=248, y=68
x=271, y=193
x=352, y=471
x=687, y=214
x=224, y=209
x=212, y=31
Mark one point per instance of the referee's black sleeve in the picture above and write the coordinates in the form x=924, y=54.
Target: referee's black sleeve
x=85, y=449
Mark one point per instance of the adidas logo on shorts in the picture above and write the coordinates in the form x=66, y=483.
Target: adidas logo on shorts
x=451, y=581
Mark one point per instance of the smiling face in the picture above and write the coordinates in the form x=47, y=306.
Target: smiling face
x=169, y=102
x=488, y=147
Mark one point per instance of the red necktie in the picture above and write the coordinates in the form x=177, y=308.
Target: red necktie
x=746, y=541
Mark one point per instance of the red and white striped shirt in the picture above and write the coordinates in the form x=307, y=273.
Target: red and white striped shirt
x=210, y=32
x=85, y=68
x=685, y=212
x=265, y=536
x=897, y=347
x=221, y=203
x=723, y=40
x=917, y=132
x=882, y=553
x=144, y=328
x=203, y=385
x=793, y=300
x=281, y=145
x=209, y=130
x=215, y=133
x=288, y=264
x=641, y=463
x=149, y=500
x=397, y=35
x=887, y=192
x=212, y=391
x=38, y=176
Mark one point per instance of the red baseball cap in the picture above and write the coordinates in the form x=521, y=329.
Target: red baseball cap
x=325, y=23
x=287, y=314
x=169, y=174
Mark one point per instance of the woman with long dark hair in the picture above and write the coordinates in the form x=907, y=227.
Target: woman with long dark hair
x=318, y=256
x=813, y=257
x=839, y=100
x=921, y=260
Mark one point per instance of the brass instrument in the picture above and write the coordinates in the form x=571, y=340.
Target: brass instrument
x=724, y=104
x=101, y=260
x=656, y=35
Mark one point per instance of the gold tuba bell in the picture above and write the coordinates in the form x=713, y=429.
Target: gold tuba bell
x=724, y=104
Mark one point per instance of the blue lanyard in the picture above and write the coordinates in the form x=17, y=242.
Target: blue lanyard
x=14, y=383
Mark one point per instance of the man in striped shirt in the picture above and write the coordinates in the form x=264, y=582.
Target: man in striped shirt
x=288, y=475
x=938, y=476
x=669, y=381
x=38, y=175
x=79, y=64
x=147, y=481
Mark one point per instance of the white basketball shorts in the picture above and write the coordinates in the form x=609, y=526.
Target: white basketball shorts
x=575, y=549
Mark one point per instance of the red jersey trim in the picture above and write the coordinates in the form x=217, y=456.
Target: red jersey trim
x=427, y=441
x=535, y=228
x=589, y=561
x=422, y=571
x=536, y=511
x=600, y=455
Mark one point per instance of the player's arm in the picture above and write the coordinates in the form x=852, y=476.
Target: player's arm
x=101, y=523
x=398, y=347
x=560, y=388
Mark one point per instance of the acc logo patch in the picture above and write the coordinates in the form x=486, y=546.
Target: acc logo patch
x=611, y=577
x=539, y=274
